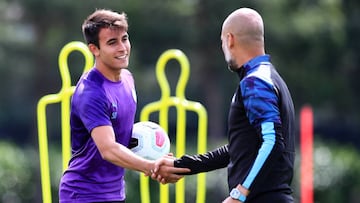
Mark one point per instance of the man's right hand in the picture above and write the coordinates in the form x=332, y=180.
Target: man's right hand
x=165, y=172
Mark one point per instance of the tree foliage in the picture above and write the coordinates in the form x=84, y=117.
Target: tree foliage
x=313, y=44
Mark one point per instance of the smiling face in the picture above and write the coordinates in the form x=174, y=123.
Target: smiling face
x=113, y=52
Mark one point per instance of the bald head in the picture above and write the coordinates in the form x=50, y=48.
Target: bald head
x=246, y=25
x=242, y=37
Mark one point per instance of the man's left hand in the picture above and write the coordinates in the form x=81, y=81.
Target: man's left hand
x=230, y=200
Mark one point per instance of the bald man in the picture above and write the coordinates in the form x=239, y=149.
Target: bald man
x=260, y=153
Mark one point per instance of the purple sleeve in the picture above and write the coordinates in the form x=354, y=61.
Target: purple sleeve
x=93, y=110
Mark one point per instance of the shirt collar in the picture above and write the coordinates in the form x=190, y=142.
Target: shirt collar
x=252, y=63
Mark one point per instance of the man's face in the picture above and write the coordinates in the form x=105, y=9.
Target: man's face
x=232, y=66
x=114, y=49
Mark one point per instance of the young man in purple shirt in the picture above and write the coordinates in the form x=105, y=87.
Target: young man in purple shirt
x=102, y=116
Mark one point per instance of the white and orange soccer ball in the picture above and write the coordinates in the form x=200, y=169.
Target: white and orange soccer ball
x=149, y=140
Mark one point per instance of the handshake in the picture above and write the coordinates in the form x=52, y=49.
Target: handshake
x=164, y=171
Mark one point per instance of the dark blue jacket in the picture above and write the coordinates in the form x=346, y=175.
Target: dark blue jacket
x=261, y=131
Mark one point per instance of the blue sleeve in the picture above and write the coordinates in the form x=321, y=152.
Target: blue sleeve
x=261, y=105
x=260, y=101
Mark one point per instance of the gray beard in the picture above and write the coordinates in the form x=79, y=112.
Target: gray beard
x=232, y=66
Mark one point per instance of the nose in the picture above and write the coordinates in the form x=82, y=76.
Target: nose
x=122, y=46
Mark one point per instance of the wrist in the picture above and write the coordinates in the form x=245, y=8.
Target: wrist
x=149, y=167
x=243, y=190
x=239, y=193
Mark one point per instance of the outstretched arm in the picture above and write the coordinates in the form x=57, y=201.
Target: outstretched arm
x=117, y=153
x=212, y=160
x=169, y=166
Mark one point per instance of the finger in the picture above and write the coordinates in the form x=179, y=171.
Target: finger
x=169, y=158
x=178, y=170
x=147, y=174
x=168, y=170
x=173, y=178
x=160, y=178
x=163, y=181
x=153, y=176
x=158, y=164
x=162, y=168
x=169, y=178
x=156, y=169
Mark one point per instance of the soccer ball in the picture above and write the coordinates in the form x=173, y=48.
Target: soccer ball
x=149, y=140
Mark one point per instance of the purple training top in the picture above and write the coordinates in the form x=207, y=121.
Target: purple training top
x=97, y=101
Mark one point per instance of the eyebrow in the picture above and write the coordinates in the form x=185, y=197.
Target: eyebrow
x=115, y=38
x=111, y=40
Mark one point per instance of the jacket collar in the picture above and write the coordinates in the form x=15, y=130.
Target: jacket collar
x=251, y=64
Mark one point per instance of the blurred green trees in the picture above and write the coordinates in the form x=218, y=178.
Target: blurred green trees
x=18, y=173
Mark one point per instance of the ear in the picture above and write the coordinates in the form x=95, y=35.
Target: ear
x=230, y=40
x=94, y=49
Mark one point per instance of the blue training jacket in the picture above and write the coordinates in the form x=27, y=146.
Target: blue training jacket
x=261, y=132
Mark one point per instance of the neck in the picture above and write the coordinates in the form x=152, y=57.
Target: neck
x=113, y=75
x=246, y=55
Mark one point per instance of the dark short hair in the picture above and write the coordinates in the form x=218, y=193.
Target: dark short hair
x=99, y=19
